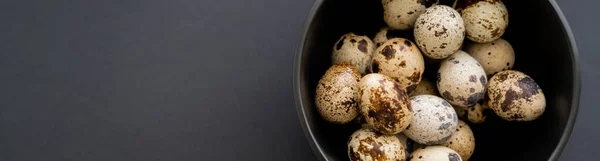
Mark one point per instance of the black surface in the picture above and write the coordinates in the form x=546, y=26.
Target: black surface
x=529, y=31
x=181, y=80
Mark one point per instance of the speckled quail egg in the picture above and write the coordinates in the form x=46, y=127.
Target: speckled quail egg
x=463, y=141
x=407, y=143
x=460, y=111
x=425, y=87
x=337, y=94
x=494, y=56
x=485, y=20
x=353, y=49
x=402, y=14
x=439, y=31
x=384, y=104
x=433, y=122
x=435, y=153
x=368, y=144
x=401, y=60
x=461, y=80
x=385, y=33
x=515, y=96
x=476, y=114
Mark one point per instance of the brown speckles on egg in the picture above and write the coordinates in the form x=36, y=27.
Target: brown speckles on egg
x=384, y=105
x=440, y=30
x=355, y=50
x=362, y=46
x=503, y=57
x=488, y=20
x=453, y=157
x=367, y=143
x=401, y=14
x=463, y=142
x=460, y=82
x=435, y=153
x=388, y=51
x=404, y=63
x=336, y=94
x=429, y=125
x=515, y=96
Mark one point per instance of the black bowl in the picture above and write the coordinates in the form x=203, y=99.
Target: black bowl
x=544, y=47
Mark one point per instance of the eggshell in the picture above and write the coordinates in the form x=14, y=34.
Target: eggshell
x=461, y=80
x=337, y=94
x=435, y=153
x=476, y=114
x=402, y=14
x=406, y=143
x=425, y=87
x=385, y=33
x=439, y=32
x=433, y=122
x=463, y=141
x=355, y=50
x=367, y=144
x=494, y=56
x=514, y=96
x=485, y=20
x=384, y=104
x=401, y=60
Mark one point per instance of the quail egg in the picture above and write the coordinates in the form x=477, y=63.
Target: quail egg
x=406, y=143
x=485, y=20
x=494, y=56
x=435, y=153
x=385, y=33
x=433, y=122
x=402, y=14
x=463, y=141
x=355, y=50
x=425, y=87
x=337, y=94
x=384, y=104
x=461, y=80
x=476, y=114
x=515, y=96
x=368, y=144
x=439, y=31
x=401, y=60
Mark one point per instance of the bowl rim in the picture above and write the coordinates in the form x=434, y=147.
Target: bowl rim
x=317, y=149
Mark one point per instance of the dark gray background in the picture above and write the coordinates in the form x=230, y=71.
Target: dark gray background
x=181, y=80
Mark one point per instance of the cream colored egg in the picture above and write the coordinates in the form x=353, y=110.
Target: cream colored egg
x=401, y=60
x=463, y=141
x=355, y=50
x=494, y=56
x=384, y=104
x=439, y=31
x=425, y=87
x=476, y=114
x=402, y=14
x=485, y=20
x=461, y=80
x=337, y=94
x=435, y=153
x=368, y=144
x=515, y=96
x=433, y=122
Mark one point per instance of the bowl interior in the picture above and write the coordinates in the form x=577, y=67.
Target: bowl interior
x=543, y=51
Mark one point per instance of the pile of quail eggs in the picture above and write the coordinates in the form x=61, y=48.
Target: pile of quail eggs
x=379, y=81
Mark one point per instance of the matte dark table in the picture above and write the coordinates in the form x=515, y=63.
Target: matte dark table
x=182, y=80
